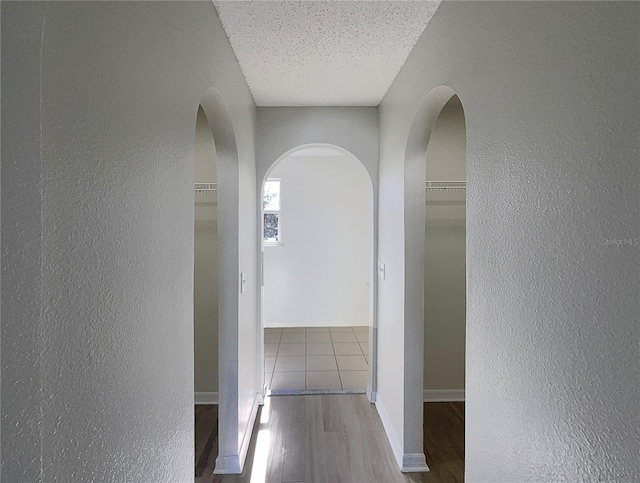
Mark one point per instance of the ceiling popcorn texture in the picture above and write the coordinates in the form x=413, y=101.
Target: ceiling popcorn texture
x=322, y=53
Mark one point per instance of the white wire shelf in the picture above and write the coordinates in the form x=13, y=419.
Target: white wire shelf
x=446, y=185
x=205, y=187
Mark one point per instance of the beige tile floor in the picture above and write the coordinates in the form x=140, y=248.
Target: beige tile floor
x=316, y=358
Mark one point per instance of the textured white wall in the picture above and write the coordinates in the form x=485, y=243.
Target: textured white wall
x=552, y=109
x=445, y=246
x=320, y=275
x=21, y=242
x=281, y=129
x=205, y=277
x=109, y=338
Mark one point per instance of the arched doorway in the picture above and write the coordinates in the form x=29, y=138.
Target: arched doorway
x=205, y=280
x=435, y=275
x=205, y=292
x=217, y=248
x=445, y=257
x=445, y=292
x=318, y=280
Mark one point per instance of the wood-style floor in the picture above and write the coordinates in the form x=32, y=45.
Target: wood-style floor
x=331, y=439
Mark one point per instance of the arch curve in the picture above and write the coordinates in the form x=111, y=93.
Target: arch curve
x=230, y=457
x=320, y=149
x=418, y=139
x=317, y=146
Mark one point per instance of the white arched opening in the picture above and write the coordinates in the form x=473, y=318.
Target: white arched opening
x=418, y=154
x=318, y=275
x=205, y=277
x=445, y=257
x=214, y=117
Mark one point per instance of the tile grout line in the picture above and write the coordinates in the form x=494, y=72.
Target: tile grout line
x=358, y=342
x=275, y=361
x=335, y=358
x=305, y=358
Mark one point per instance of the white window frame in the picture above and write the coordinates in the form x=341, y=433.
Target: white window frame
x=277, y=212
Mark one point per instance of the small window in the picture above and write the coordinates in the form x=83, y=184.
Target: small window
x=271, y=206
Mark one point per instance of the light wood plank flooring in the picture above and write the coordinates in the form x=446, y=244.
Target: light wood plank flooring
x=332, y=438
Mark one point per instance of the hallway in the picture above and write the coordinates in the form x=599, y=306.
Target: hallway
x=99, y=345
x=332, y=438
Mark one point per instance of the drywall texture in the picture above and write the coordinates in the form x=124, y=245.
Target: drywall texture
x=319, y=53
x=205, y=276
x=281, y=129
x=108, y=332
x=21, y=242
x=319, y=275
x=551, y=100
x=445, y=244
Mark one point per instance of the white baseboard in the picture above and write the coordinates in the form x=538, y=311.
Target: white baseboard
x=414, y=463
x=234, y=464
x=396, y=447
x=296, y=323
x=206, y=398
x=227, y=465
x=246, y=438
x=443, y=395
x=371, y=394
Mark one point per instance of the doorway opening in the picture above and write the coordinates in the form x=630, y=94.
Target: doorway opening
x=218, y=355
x=205, y=273
x=205, y=292
x=445, y=256
x=435, y=275
x=317, y=249
x=445, y=291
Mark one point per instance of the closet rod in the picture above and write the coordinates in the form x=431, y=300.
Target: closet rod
x=205, y=187
x=446, y=185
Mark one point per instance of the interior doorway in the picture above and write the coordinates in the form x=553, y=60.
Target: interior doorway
x=205, y=292
x=445, y=293
x=435, y=266
x=445, y=257
x=205, y=276
x=317, y=249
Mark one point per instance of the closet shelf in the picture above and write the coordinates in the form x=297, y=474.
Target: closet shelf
x=446, y=185
x=205, y=187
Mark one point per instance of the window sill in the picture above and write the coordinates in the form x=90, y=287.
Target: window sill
x=272, y=244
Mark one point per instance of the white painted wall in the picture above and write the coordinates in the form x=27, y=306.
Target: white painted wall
x=282, y=129
x=445, y=245
x=102, y=99
x=553, y=115
x=21, y=219
x=319, y=276
x=205, y=276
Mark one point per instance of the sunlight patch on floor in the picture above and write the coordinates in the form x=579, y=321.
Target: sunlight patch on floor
x=261, y=455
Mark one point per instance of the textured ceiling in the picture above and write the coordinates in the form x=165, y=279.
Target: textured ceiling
x=322, y=53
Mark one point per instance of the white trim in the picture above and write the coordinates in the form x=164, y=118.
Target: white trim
x=414, y=463
x=391, y=434
x=371, y=394
x=227, y=465
x=279, y=324
x=443, y=395
x=273, y=244
x=312, y=392
x=246, y=438
x=205, y=398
